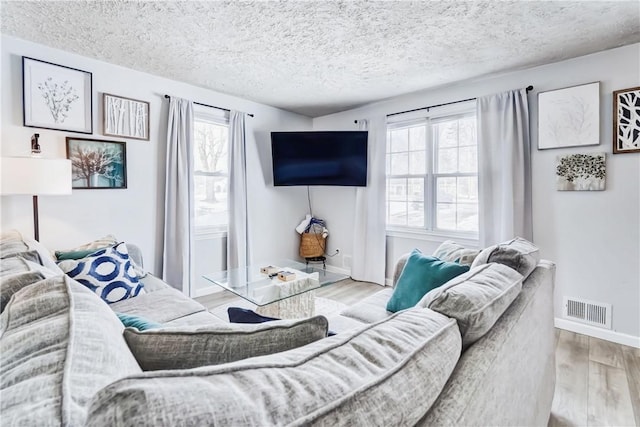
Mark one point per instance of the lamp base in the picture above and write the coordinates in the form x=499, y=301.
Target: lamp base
x=36, y=229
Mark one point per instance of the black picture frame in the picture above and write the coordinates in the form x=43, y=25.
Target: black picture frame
x=56, y=97
x=625, y=123
x=105, y=171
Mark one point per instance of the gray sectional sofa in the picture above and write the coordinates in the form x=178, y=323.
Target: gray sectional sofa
x=65, y=359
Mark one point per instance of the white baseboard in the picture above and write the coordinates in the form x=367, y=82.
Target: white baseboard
x=200, y=292
x=592, y=331
x=338, y=270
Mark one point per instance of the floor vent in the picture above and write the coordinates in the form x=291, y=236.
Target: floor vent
x=589, y=312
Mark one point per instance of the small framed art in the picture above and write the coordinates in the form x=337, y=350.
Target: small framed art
x=97, y=164
x=581, y=172
x=569, y=117
x=56, y=97
x=626, y=120
x=125, y=117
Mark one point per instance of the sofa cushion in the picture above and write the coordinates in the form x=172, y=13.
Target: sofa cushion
x=107, y=272
x=518, y=253
x=201, y=318
x=360, y=378
x=454, y=252
x=13, y=241
x=371, y=309
x=420, y=275
x=32, y=256
x=476, y=299
x=60, y=345
x=192, y=347
x=18, y=273
x=160, y=306
x=103, y=242
x=152, y=283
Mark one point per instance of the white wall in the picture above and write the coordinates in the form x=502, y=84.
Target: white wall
x=594, y=237
x=135, y=214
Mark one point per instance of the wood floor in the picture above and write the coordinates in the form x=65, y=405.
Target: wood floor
x=597, y=382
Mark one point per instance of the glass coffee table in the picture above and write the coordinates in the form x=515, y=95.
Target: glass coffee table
x=274, y=297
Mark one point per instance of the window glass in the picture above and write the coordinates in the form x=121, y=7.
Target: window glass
x=432, y=174
x=211, y=174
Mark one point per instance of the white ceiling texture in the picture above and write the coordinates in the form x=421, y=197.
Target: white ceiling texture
x=320, y=57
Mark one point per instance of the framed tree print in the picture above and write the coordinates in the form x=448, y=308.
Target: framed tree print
x=97, y=164
x=56, y=97
x=125, y=117
x=626, y=120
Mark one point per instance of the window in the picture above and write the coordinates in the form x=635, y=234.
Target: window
x=432, y=174
x=211, y=172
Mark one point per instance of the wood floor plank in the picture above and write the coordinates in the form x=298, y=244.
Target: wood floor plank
x=631, y=358
x=569, y=406
x=609, y=398
x=605, y=352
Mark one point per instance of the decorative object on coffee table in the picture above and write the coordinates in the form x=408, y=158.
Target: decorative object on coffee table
x=97, y=164
x=125, y=117
x=626, y=120
x=581, y=172
x=56, y=97
x=569, y=117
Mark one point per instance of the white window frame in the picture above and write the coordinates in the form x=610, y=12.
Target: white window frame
x=217, y=117
x=432, y=116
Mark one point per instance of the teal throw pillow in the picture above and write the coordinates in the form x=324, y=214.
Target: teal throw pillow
x=61, y=256
x=140, y=323
x=420, y=275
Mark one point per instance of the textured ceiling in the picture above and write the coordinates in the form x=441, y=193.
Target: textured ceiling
x=320, y=57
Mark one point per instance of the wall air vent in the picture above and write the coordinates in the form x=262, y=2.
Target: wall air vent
x=589, y=312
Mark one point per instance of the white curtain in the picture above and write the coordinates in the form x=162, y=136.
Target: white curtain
x=504, y=159
x=178, y=202
x=369, y=245
x=238, y=235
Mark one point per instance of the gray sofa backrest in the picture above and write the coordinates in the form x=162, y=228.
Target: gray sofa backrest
x=500, y=380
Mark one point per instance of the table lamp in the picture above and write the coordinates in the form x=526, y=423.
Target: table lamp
x=35, y=176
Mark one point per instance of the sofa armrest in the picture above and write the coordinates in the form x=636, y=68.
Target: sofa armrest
x=398, y=268
x=135, y=254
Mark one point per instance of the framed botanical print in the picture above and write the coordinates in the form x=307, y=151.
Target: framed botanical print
x=569, y=117
x=626, y=120
x=56, y=97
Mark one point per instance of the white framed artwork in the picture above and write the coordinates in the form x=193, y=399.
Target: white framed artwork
x=125, y=117
x=569, y=117
x=56, y=97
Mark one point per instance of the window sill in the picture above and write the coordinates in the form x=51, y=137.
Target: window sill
x=465, y=239
x=210, y=233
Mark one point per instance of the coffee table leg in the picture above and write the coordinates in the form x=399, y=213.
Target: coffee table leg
x=295, y=307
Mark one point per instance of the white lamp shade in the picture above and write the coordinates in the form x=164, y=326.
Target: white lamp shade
x=35, y=176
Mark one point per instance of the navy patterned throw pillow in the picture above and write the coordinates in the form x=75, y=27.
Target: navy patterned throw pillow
x=107, y=272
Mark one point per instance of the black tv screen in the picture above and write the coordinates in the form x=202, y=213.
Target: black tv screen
x=319, y=158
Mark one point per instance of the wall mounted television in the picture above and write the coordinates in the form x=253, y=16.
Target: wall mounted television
x=319, y=158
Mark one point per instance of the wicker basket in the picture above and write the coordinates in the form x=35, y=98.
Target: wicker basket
x=312, y=245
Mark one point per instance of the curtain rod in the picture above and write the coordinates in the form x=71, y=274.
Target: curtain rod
x=529, y=88
x=210, y=106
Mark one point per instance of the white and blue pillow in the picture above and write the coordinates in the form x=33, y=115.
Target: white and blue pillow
x=108, y=272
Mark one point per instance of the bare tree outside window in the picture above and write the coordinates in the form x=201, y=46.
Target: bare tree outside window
x=211, y=141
